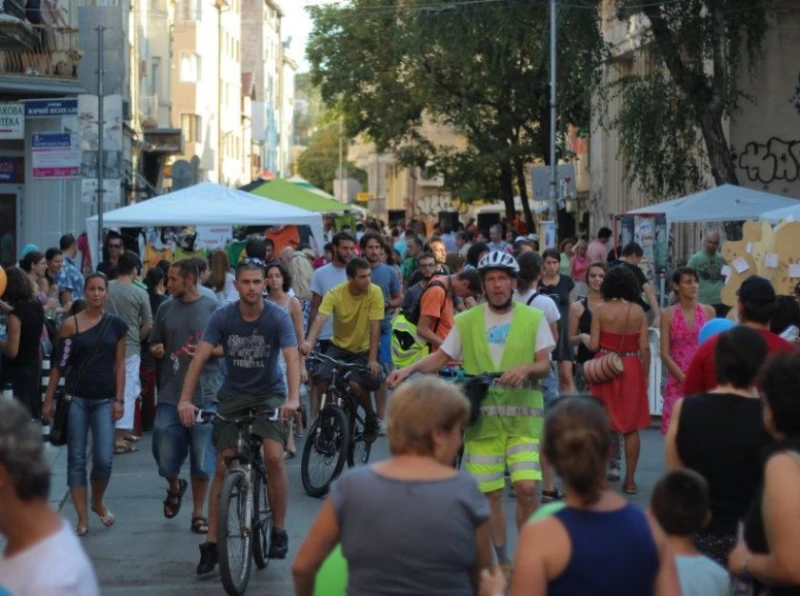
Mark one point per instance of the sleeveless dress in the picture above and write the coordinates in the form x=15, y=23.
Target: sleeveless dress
x=625, y=397
x=583, y=354
x=683, y=343
x=613, y=553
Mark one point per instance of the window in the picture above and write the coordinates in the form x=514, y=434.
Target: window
x=189, y=10
x=155, y=75
x=192, y=127
x=191, y=64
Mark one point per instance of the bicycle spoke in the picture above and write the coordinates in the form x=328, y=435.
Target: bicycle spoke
x=237, y=536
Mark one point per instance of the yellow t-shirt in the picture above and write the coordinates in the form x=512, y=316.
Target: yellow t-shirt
x=351, y=315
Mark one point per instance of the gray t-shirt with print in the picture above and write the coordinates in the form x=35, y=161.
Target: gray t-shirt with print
x=251, y=349
x=325, y=278
x=131, y=304
x=426, y=546
x=177, y=325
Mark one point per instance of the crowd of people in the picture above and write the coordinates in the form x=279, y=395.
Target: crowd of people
x=553, y=352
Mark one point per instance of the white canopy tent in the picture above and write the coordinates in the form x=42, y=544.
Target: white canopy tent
x=722, y=203
x=205, y=204
x=792, y=213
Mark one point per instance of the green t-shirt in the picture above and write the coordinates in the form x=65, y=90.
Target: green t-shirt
x=409, y=266
x=709, y=270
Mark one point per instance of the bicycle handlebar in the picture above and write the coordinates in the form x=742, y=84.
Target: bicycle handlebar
x=205, y=417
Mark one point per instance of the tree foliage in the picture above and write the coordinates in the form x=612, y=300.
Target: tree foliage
x=671, y=118
x=481, y=68
x=320, y=161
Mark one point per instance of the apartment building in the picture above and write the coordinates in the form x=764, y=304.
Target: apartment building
x=286, y=113
x=48, y=59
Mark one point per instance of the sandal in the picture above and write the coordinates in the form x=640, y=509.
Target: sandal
x=289, y=453
x=631, y=490
x=199, y=525
x=548, y=496
x=81, y=531
x=124, y=447
x=171, y=503
x=108, y=519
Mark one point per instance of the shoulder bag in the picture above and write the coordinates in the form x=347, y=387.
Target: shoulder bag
x=58, y=429
x=607, y=367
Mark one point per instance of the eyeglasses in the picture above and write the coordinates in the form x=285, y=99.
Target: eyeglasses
x=114, y=246
x=251, y=261
x=427, y=265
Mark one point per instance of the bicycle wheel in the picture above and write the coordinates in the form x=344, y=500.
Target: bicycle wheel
x=325, y=451
x=262, y=522
x=235, y=538
x=360, y=450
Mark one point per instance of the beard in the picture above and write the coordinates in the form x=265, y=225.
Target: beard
x=501, y=307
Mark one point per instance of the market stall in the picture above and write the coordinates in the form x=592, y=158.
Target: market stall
x=205, y=204
x=294, y=194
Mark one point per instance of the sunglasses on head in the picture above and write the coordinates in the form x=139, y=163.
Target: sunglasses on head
x=251, y=261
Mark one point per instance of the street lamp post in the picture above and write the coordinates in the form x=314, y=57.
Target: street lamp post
x=553, y=164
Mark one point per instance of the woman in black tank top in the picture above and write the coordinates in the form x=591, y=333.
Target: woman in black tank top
x=769, y=552
x=580, y=322
x=720, y=435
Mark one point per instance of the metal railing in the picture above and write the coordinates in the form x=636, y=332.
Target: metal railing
x=54, y=55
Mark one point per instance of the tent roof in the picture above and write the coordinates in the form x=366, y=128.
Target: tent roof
x=722, y=203
x=208, y=204
x=293, y=194
x=792, y=212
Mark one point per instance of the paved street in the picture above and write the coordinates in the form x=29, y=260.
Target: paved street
x=144, y=553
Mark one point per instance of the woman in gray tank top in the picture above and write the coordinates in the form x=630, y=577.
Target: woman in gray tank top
x=411, y=524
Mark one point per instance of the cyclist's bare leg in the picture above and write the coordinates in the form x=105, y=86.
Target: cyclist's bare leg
x=527, y=500
x=315, y=398
x=199, y=490
x=277, y=482
x=362, y=397
x=216, y=488
x=497, y=522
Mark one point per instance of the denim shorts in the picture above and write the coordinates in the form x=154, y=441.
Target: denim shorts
x=172, y=442
x=550, y=388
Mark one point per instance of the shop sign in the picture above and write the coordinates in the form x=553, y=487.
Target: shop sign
x=55, y=155
x=12, y=120
x=10, y=169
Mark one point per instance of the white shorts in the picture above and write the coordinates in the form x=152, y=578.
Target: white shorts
x=133, y=387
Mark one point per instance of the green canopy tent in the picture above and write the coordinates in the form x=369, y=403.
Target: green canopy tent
x=293, y=194
x=303, y=183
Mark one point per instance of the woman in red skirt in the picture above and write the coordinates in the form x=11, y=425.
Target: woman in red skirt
x=619, y=325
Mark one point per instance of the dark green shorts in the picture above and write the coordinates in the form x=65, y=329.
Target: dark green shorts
x=223, y=436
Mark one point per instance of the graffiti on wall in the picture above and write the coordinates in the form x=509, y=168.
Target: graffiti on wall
x=795, y=101
x=771, y=161
x=432, y=205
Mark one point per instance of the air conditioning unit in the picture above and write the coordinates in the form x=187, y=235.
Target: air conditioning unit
x=427, y=178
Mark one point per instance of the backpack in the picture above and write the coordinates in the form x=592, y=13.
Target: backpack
x=532, y=298
x=407, y=346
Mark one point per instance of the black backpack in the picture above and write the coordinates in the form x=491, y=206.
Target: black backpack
x=413, y=299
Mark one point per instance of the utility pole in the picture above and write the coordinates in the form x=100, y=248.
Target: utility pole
x=340, y=174
x=100, y=133
x=553, y=164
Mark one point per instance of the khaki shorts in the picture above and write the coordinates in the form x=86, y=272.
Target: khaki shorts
x=223, y=435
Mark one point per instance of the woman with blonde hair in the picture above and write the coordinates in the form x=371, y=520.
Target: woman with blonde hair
x=221, y=278
x=436, y=541
x=578, y=267
x=301, y=271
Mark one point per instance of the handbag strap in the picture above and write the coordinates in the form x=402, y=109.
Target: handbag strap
x=102, y=326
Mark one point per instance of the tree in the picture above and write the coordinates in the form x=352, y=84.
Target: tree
x=482, y=68
x=671, y=119
x=320, y=161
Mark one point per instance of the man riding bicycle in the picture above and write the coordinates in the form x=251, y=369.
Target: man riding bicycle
x=505, y=337
x=357, y=308
x=252, y=333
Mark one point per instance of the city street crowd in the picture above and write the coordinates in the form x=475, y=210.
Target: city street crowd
x=533, y=362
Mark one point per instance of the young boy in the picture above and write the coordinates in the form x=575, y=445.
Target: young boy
x=680, y=504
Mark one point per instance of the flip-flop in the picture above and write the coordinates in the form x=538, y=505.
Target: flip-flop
x=108, y=519
x=81, y=531
x=199, y=525
x=175, y=507
x=119, y=449
x=631, y=490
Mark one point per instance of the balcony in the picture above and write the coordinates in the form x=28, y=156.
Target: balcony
x=15, y=31
x=53, y=55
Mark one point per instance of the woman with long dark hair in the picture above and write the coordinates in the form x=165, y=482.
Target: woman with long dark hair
x=619, y=326
x=22, y=354
x=92, y=356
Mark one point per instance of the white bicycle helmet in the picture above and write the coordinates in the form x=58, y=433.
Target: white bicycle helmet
x=499, y=260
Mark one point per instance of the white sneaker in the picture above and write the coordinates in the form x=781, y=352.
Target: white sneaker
x=382, y=428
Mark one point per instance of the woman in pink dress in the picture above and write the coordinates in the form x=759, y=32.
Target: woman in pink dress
x=680, y=327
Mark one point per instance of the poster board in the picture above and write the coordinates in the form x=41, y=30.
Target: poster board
x=651, y=233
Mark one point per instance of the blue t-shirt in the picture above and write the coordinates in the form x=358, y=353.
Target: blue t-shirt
x=700, y=576
x=325, y=279
x=251, y=349
x=386, y=279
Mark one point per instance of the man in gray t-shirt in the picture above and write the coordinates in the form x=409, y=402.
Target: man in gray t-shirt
x=132, y=305
x=177, y=330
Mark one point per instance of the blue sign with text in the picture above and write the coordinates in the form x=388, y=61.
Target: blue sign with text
x=50, y=108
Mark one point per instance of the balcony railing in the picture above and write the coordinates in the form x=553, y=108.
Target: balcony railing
x=148, y=106
x=54, y=55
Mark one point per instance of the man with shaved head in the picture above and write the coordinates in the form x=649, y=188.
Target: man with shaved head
x=709, y=263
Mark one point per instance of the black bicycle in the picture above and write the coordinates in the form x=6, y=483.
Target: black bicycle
x=337, y=435
x=244, y=515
